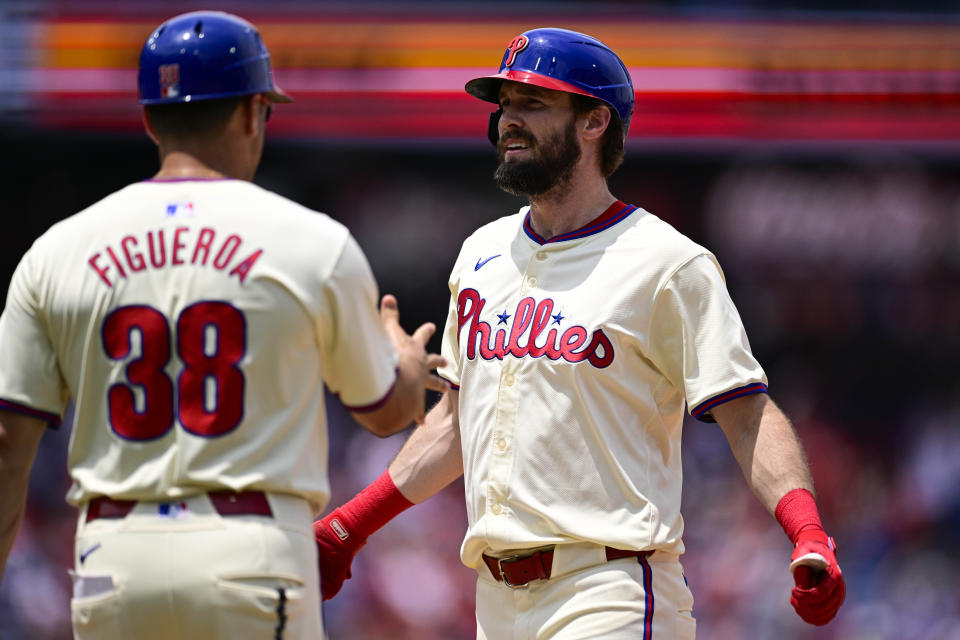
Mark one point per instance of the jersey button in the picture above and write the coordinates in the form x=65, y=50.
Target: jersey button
x=532, y=281
x=496, y=509
x=501, y=444
x=508, y=379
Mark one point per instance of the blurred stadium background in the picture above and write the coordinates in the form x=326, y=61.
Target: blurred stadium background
x=814, y=146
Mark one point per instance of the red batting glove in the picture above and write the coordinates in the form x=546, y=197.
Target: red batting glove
x=341, y=534
x=336, y=545
x=820, y=588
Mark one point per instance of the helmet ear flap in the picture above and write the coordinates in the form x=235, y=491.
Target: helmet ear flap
x=493, y=131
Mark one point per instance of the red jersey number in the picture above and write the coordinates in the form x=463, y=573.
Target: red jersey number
x=210, y=341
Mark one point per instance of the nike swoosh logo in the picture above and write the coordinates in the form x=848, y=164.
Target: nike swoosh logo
x=83, y=556
x=480, y=263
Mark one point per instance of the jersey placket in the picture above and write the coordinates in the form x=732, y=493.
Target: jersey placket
x=508, y=401
x=502, y=452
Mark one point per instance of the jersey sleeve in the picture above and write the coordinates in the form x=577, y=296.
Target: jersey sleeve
x=450, y=341
x=360, y=363
x=450, y=345
x=697, y=339
x=30, y=379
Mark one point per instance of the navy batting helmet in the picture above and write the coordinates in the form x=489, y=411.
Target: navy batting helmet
x=205, y=55
x=562, y=60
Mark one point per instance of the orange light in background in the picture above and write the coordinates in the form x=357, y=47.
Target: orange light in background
x=697, y=80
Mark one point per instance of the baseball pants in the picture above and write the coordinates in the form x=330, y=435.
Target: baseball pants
x=183, y=571
x=587, y=597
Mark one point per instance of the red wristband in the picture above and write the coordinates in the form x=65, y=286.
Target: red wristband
x=375, y=506
x=797, y=513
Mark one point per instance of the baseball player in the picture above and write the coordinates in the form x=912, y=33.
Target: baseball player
x=579, y=331
x=194, y=319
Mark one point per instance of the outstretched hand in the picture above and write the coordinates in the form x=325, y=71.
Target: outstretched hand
x=820, y=589
x=412, y=350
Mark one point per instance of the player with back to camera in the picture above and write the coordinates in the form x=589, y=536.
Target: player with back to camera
x=579, y=329
x=194, y=318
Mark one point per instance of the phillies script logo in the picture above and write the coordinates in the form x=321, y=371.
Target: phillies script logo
x=516, y=45
x=571, y=345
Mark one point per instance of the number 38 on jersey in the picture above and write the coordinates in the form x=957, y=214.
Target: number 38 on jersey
x=207, y=394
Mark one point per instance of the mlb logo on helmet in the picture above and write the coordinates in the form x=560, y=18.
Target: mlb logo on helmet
x=169, y=80
x=516, y=45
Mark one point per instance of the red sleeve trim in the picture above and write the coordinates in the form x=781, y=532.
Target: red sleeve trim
x=702, y=411
x=52, y=419
x=455, y=387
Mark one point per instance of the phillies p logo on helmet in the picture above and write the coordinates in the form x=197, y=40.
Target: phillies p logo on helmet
x=516, y=45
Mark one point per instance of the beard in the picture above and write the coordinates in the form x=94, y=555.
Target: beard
x=551, y=165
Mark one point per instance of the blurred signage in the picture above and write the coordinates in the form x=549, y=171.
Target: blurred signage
x=697, y=81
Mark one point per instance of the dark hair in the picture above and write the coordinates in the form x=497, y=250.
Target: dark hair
x=611, y=153
x=183, y=120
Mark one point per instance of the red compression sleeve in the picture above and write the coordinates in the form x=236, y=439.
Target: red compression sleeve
x=375, y=506
x=797, y=513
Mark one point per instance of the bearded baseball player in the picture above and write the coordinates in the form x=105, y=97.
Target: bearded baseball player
x=579, y=330
x=194, y=319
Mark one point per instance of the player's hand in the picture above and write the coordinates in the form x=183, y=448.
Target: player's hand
x=412, y=350
x=336, y=546
x=819, y=589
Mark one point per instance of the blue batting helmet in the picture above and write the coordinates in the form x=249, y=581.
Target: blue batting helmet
x=203, y=55
x=562, y=60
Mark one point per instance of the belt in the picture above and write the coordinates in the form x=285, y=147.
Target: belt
x=226, y=503
x=517, y=571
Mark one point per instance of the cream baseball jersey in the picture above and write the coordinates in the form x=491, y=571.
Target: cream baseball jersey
x=575, y=358
x=194, y=323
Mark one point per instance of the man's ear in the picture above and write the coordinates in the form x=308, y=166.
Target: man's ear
x=148, y=126
x=595, y=122
x=251, y=114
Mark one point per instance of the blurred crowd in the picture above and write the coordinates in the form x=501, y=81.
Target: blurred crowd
x=847, y=277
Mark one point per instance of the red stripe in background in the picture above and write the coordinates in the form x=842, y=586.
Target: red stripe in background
x=438, y=116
